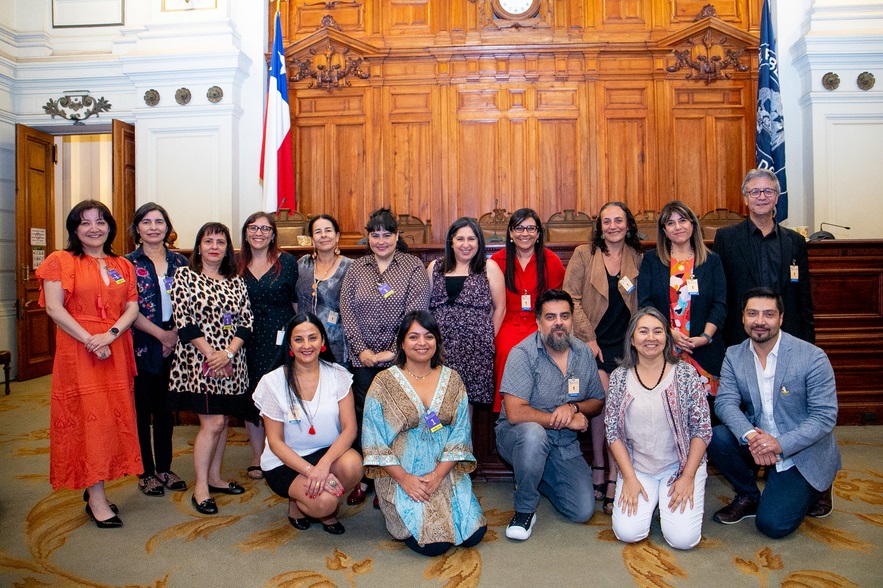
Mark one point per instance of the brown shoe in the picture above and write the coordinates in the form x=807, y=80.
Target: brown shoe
x=742, y=507
x=823, y=506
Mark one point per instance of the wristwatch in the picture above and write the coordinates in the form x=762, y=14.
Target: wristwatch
x=230, y=354
x=575, y=406
x=115, y=331
x=707, y=337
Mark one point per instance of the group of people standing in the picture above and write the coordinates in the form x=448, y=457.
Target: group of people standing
x=359, y=375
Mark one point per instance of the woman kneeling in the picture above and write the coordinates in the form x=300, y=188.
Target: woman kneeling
x=658, y=427
x=418, y=445
x=310, y=423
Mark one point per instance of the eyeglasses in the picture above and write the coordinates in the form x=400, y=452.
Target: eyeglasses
x=530, y=229
x=263, y=229
x=755, y=193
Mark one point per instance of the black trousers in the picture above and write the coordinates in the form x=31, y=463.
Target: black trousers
x=152, y=403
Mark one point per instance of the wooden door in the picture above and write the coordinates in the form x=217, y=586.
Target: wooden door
x=123, y=203
x=34, y=239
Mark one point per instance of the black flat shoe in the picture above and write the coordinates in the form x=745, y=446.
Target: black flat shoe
x=111, y=523
x=302, y=523
x=231, y=488
x=112, y=506
x=207, y=506
x=334, y=528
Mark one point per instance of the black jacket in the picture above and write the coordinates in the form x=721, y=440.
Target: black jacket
x=733, y=246
x=709, y=306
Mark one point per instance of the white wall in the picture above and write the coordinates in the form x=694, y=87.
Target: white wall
x=840, y=135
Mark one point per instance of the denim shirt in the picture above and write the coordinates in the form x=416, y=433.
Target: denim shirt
x=148, y=349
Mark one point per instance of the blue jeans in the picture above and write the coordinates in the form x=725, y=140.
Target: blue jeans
x=786, y=497
x=540, y=468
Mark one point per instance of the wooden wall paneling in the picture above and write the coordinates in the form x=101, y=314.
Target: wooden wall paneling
x=557, y=159
x=685, y=11
x=408, y=154
x=626, y=144
x=626, y=14
x=518, y=149
x=306, y=18
x=733, y=155
x=479, y=150
x=407, y=18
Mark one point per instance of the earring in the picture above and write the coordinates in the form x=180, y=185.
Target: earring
x=198, y=253
x=290, y=353
x=313, y=255
x=337, y=251
x=628, y=234
x=324, y=349
x=602, y=236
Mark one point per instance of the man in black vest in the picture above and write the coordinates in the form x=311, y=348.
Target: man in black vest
x=760, y=252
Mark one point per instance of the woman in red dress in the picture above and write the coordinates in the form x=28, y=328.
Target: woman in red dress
x=530, y=269
x=90, y=294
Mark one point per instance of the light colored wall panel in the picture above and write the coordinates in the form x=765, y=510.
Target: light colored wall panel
x=852, y=193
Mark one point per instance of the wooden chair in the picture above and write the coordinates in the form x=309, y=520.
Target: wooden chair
x=569, y=226
x=5, y=360
x=720, y=217
x=413, y=230
x=647, y=222
x=290, y=226
x=494, y=225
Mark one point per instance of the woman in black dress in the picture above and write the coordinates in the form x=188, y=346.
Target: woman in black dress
x=271, y=278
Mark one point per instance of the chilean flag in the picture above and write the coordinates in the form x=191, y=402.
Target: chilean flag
x=277, y=165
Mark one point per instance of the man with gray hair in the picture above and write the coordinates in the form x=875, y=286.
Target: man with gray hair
x=761, y=252
x=550, y=390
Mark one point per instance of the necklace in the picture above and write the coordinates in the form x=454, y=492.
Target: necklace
x=645, y=386
x=418, y=378
x=681, y=264
x=310, y=417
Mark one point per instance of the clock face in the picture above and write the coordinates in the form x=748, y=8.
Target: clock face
x=515, y=9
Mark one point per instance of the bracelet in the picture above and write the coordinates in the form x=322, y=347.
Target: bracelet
x=307, y=471
x=575, y=406
x=707, y=337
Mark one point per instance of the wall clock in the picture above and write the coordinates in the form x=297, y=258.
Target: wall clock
x=516, y=9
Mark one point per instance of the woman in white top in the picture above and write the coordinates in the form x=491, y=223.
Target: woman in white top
x=658, y=427
x=310, y=421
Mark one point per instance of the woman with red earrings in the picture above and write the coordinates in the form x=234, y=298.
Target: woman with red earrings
x=310, y=420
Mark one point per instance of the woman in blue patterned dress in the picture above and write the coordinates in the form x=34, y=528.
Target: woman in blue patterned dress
x=467, y=296
x=418, y=445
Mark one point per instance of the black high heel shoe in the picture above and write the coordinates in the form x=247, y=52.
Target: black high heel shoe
x=112, y=506
x=111, y=523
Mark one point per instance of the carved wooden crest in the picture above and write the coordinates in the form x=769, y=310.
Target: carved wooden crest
x=709, y=49
x=330, y=59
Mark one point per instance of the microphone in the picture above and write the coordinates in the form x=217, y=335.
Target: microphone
x=822, y=235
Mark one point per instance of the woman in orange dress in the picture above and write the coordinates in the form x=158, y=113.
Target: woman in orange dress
x=90, y=294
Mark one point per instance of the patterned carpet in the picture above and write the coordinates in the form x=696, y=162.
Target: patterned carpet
x=47, y=540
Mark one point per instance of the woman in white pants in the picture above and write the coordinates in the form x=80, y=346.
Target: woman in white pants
x=658, y=427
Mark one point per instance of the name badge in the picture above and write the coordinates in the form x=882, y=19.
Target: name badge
x=333, y=317
x=432, y=421
x=228, y=321
x=626, y=284
x=115, y=276
x=525, y=301
x=385, y=290
x=795, y=273
x=693, y=287
x=167, y=282
x=280, y=337
x=573, y=387
x=293, y=415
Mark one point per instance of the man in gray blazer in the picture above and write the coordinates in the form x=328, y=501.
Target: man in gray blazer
x=778, y=402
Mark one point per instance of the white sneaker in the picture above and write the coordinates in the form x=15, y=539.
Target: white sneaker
x=521, y=525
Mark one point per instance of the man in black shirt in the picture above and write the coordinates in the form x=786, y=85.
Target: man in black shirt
x=760, y=252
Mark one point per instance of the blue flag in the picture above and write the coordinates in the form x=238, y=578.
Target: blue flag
x=770, y=138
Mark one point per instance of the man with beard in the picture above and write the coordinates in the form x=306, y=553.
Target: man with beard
x=778, y=404
x=550, y=390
